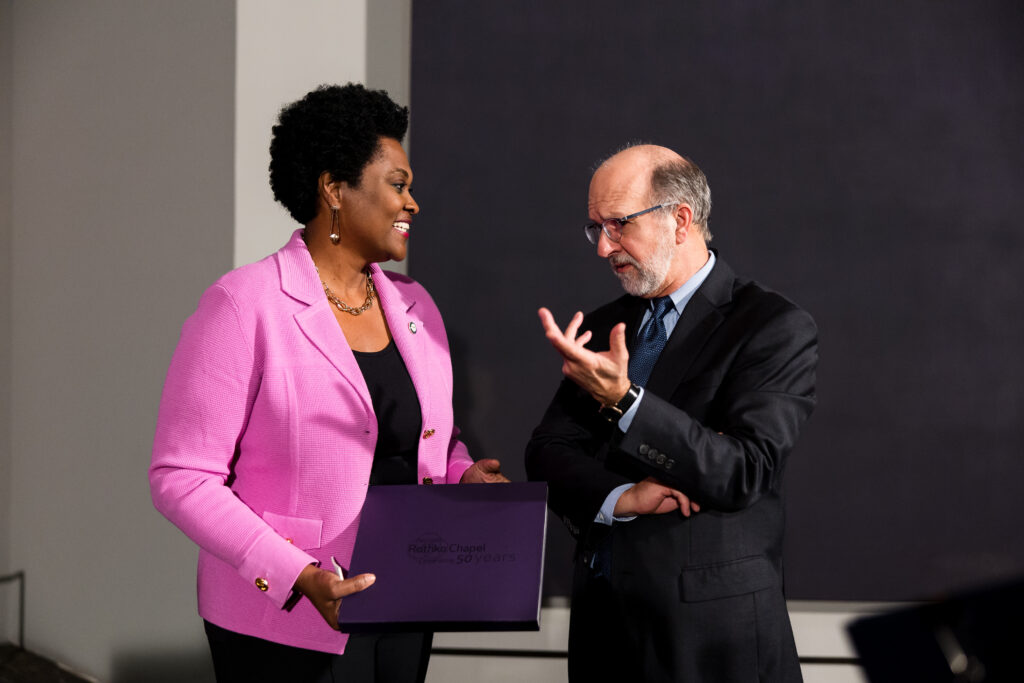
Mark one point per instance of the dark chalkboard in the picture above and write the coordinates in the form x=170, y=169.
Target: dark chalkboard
x=866, y=159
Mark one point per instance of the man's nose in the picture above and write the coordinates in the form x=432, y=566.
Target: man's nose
x=605, y=247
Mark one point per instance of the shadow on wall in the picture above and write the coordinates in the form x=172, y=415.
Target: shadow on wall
x=194, y=666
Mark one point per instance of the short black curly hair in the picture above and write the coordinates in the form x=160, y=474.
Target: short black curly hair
x=335, y=128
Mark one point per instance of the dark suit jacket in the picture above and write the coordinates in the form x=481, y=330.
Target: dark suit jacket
x=698, y=598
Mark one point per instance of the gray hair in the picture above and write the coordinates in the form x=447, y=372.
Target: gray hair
x=675, y=182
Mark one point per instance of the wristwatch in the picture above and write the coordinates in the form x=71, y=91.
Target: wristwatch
x=612, y=413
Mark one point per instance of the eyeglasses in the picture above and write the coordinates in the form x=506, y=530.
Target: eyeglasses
x=612, y=227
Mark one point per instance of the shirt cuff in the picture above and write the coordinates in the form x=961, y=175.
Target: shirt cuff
x=627, y=417
x=606, y=515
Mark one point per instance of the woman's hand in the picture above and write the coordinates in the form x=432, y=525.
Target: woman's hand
x=325, y=590
x=486, y=471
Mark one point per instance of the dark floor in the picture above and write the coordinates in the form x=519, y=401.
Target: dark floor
x=21, y=666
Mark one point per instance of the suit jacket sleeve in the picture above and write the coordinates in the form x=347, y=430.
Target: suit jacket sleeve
x=567, y=451
x=722, y=439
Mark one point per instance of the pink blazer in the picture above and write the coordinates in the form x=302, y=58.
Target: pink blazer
x=266, y=433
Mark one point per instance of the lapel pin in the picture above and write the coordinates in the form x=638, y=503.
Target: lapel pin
x=412, y=327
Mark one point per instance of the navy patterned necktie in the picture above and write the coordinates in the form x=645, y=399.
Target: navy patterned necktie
x=649, y=343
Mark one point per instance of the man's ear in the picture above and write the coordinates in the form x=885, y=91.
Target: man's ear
x=330, y=190
x=684, y=222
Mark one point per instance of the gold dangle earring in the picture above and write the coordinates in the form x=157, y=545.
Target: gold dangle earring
x=335, y=237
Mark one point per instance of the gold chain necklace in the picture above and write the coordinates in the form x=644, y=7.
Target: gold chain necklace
x=341, y=305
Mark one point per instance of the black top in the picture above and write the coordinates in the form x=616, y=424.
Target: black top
x=398, y=415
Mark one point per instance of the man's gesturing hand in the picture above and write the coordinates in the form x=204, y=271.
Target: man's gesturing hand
x=604, y=375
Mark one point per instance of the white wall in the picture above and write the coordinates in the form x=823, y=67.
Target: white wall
x=284, y=50
x=389, y=48
x=8, y=629
x=122, y=160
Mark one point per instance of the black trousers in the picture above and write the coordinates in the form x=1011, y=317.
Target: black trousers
x=597, y=646
x=639, y=626
x=368, y=658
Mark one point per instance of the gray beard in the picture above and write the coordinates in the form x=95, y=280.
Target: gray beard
x=646, y=278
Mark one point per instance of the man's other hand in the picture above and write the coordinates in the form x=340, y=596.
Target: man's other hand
x=651, y=497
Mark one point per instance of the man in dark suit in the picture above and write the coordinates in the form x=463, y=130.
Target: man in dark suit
x=665, y=446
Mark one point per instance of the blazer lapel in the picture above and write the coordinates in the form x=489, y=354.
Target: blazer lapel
x=408, y=331
x=299, y=280
x=699, y=320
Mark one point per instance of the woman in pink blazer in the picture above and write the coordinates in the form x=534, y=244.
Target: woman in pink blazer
x=299, y=381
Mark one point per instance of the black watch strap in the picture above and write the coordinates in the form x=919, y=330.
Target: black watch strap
x=614, y=412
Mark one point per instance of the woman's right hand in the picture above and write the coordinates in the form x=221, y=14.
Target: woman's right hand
x=486, y=471
x=326, y=589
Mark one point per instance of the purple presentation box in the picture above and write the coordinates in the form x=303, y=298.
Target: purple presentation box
x=461, y=557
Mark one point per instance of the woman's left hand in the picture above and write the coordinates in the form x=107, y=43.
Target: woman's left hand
x=486, y=471
x=326, y=589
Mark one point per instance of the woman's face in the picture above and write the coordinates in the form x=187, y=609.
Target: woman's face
x=377, y=215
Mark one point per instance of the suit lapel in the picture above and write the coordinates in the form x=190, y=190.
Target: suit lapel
x=699, y=320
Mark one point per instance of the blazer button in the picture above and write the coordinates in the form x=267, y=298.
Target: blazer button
x=652, y=455
x=427, y=433
x=428, y=480
x=262, y=584
x=669, y=464
x=644, y=448
x=661, y=459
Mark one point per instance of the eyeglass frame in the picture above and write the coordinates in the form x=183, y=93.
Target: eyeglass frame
x=603, y=225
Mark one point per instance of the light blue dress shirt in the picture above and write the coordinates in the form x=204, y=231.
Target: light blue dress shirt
x=680, y=298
